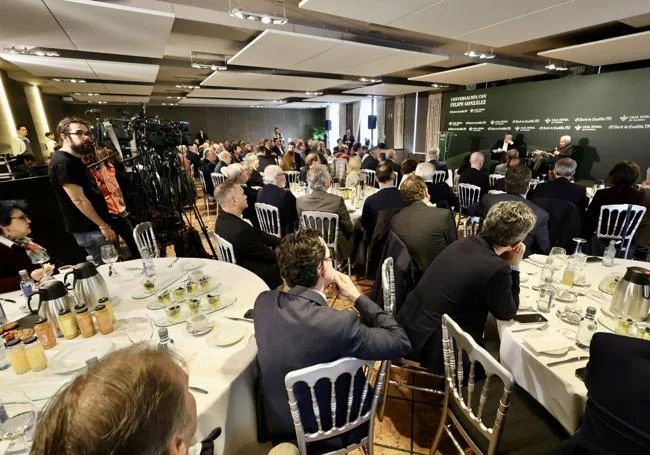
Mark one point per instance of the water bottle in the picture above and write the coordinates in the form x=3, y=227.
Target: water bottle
x=27, y=285
x=587, y=328
x=610, y=254
x=546, y=294
x=165, y=341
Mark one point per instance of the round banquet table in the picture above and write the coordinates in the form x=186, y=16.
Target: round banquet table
x=227, y=373
x=557, y=388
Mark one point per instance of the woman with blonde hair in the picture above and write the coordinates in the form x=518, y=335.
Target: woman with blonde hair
x=251, y=161
x=354, y=172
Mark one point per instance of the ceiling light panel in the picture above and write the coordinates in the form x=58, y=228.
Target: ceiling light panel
x=51, y=66
x=476, y=74
x=242, y=94
x=621, y=49
x=387, y=90
x=121, y=71
x=268, y=81
x=18, y=25
x=112, y=98
x=336, y=99
x=222, y=102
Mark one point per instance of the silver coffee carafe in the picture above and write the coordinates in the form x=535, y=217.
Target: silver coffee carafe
x=52, y=298
x=87, y=283
x=632, y=296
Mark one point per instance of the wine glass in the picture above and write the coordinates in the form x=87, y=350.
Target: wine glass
x=109, y=256
x=20, y=418
x=139, y=329
x=556, y=258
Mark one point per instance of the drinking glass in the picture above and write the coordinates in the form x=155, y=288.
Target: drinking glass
x=557, y=259
x=109, y=256
x=20, y=419
x=139, y=329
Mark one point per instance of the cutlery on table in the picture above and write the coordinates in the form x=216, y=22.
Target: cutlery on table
x=536, y=264
x=7, y=300
x=569, y=360
x=235, y=318
x=525, y=329
x=198, y=389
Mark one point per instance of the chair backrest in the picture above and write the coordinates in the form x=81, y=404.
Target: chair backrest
x=205, y=191
x=368, y=176
x=457, y=346
x=455, y=181
x=292, y=176
x=439, y=177
x=620, y=221
x=324, y=222
x=468, y=194
x=225, y=250
x=145, y=238
x=217, y=178
x=472, y=226
x=269, y=218
x=5, y=169
x=332, y=371
x=388, y=284
x=494, y=178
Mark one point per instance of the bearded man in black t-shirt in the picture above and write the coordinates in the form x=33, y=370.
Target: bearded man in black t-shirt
x=82, y=204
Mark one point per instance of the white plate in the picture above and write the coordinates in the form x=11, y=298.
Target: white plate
x=226, y=335
x=74, y=359
x=189, y=266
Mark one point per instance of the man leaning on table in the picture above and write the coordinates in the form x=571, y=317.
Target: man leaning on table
x=467, y=279
x=296, y=328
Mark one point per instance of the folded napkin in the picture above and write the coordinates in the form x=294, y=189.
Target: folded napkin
x=547, y=342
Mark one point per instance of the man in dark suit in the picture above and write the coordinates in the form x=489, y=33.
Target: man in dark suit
x=275, y=194
x=517, y=183
x=370, y=160
x=388, y=197
x=266, y=158
x=391, y=160
x=209, y=163
x=439, y=193
x=473, y=175
x=297, y=328
x=501, y=146
x=562, y=187
x=277, y=147
x=253, y=248
x=319, y=200
x=467, y=279
x=424, y=229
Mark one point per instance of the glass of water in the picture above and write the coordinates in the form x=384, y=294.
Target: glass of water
x=109, y=256
x=17, y=419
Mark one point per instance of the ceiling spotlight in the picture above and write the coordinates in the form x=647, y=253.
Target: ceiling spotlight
x=367, y=79
x=487, y=56
x=56, y=79
x=265, y=20
x=471, y=54
x=102, y=102
x=552, y=67
x=187, y=87
x=279, y=21
x=482, y=55
x=30, y=50
x=236, y=12
x=313, y=93
x=439, y=86
x=72, y=81
x=260, y=17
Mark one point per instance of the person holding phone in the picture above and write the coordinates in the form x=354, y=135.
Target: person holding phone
x=468, y=279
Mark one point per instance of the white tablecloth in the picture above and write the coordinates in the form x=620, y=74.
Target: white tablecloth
x=226, y=373
x=556, y=388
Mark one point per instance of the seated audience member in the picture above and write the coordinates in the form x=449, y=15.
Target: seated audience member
x=338, y=146
x=14, y=245
x=433, y=156
x=388, y=197
x=517, y=183
x=253, y=248
x=407, y=168
x=622, y=177
x=520, y=145
x=343, y=153
x=225, y=158
x=274, y=193
x=299, y=160
x=134, y=401
x=207, y=168
x=500, y=184
x=391, y=160
x=502, y=167
x=646, y=183
x=439, y=193
x=467, y=279
x=266, y=158
x=424, y=229
x=288, y=162
x=297, y=328
x=277, y=147
x=240, y=173
x=500, y=148
x=237, y=154
x=617, y=380
x=371, y=159
x=320, y=200
x=563, y=187
x=354, y=172
x=252, y=162
x=310, y=160
x=473, y=174
x=192, y=155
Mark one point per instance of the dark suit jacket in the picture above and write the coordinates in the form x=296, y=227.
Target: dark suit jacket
x=321, y=201
x=537, y=241
x=285, y=201
x=439, y=165
x=618, y=384
x=251, y=199
x=13, y=260
x=385, y=198
x=266, y=160
x=312, y=333
x=561, y=188
x=425, y=230
x=474, y=177
x=253, y=248
x=369, y=163
x=348, y=138
x=441, y=195
x=208, y=169
x=466, y=281
x=220, y=164
x=255, y=179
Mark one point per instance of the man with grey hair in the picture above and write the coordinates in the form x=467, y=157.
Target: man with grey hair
x=562, y=186
x=439, y=193
x=474, y=175
x=563, y=150
x=433, y=157
x=274, y=193
x=319, y=200
x=371, y=159
x=225, y=158
x=481, y=275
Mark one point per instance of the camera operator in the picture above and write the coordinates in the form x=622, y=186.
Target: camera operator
x=82, y=204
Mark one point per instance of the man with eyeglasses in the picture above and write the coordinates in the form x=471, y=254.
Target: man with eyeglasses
x=82, y=204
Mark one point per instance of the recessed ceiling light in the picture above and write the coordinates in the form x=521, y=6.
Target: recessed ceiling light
x=260, y=17
x=367, y=79
x=313, y=93
x=30, y=50
x=439, y=86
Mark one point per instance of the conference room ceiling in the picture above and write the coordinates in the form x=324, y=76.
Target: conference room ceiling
x=142, y=50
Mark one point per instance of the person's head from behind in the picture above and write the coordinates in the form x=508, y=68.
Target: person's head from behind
x=73, y=134
x=226, y=157
x=433, y=154
x=384, y=175
x=476, y=160
x=288, y=161
x=413, y=189
x=312, y=159
x=14, y=222
x=508, y=223
x=511, y=154
x=29, y=158
x=252, y=161
x=565, y=167
x=135, y=400
x=514, y=162
x=391, y=155
x=354, y=164
x=231, y=198
x=319, y=178
x=211, y=155
x=426, y=171
x=238, y=173
x=274, y=175
x=408, y=166
x=625, y=173
x=305, y=260
x=517, y=180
